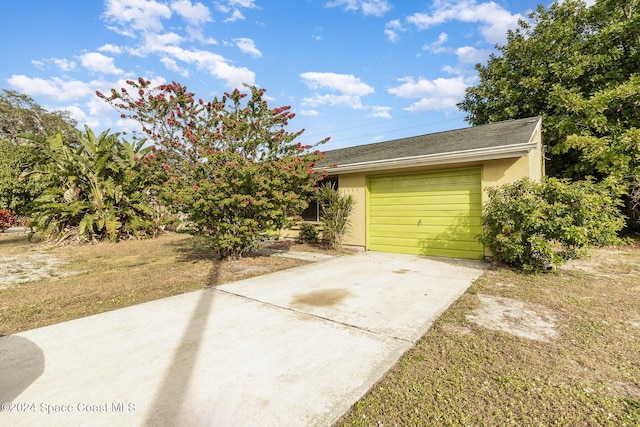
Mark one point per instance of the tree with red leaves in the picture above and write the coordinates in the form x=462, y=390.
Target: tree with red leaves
x=229, y=163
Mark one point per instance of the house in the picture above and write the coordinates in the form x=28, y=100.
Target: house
x=424, y=195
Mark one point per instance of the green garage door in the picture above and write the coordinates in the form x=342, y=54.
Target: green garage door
x=433, y=213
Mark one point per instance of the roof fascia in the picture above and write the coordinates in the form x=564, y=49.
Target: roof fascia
x=479, y=154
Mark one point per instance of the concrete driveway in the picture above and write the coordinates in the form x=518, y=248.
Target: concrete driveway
x=293, y=348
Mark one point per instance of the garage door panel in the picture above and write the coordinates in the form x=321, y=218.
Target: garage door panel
x=444, y=198
x=433, y=248
x=429, y=233
x=432, y=213
x=418, y=212
x=410, y=222
x=435, y=179
x=429, y=244
x=457, y=208
x=419, y=186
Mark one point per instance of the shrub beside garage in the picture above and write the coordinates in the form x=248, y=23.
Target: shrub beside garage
x=539, y=225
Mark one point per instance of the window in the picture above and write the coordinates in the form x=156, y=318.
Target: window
x=312, y=213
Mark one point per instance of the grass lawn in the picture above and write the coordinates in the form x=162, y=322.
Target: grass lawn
x=558, y=349
x=41, y=285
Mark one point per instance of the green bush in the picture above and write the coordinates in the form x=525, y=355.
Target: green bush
x=308, y=233
x=335, y=214
x=537, y=225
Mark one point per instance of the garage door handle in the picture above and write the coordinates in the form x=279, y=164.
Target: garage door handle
x=419, y=222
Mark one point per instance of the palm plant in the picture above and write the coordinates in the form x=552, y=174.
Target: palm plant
x=101, y=192
x=335, y=214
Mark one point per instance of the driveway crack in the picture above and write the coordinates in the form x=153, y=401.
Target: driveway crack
x=349, y=325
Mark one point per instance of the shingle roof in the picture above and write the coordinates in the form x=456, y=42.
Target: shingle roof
x=493, y=135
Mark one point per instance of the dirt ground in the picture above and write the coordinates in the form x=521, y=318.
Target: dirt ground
x=537, y=322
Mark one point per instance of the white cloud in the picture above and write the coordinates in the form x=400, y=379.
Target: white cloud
x=391, y=35
x=172, y=65
x=143, y=19
x=95, y=61
x=380, y=111
x=248, y=46
x=40, y=64
x=494, y=20
x=333, y=100
x=375, y=7
x=214, y=64
x=247, y=4
x=157, y=42
x=109, y=48
x=435, y=94
x=317, y=33
x=391, y=30
x=64, y=64
x=368, y=7
x=346, y=4
x=345, y=83
x=234, y=6
x=310, y=113
x=348, y=87
x=131, y=16
x=471, y=55
x=167, y=46
x=195, y=14
x=54, y=87
x=95, y=113
x=79, y=115
x=436, y=46
x=235, y=16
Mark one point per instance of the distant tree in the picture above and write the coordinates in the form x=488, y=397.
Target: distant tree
x=579, y=67
x=21, y=115
x=18, y=191
x=232, y=167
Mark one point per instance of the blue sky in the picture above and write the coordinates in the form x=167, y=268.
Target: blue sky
x=358, y=71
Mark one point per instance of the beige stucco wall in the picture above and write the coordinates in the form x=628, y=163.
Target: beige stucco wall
x=356, y=186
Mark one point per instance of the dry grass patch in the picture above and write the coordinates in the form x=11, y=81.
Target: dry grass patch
x=64, y=283
x=582, y=369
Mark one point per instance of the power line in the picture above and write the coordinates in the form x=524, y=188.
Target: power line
x=372, y=124
x=380, y=123
x=394, y=130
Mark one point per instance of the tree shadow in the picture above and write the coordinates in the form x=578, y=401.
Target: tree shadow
x=169, y=397
x=455, y=240
x=194, y=250
x=21, y=363
x=199, y=250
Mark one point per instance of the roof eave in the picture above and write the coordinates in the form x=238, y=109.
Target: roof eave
x=480, y=154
